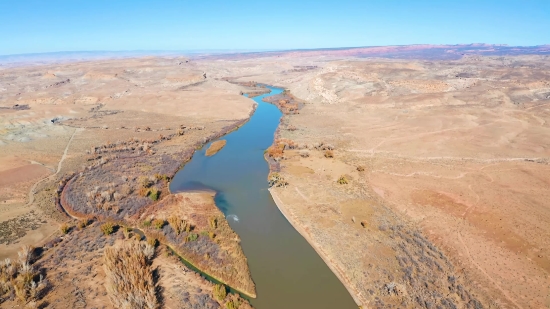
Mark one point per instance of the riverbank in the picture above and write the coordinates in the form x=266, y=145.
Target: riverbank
x=287, y=213
x=286, y=270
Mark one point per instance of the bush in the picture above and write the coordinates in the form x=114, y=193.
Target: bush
x=329, y=154
x=192, y=236
x=275, y=179
x=129, y=277
x=158, y=223
x=304, y=153
x=83, y=223
x=126, y=231
x=154, y=194
x=342, y=180
x=64, y=228
x=152, y=241
x=107, y=228
x=145, y=182
x=144, y=191
x=213, y=222
x=211, y=234
x=360, y=168
x=178, y=225
x=146, y=223
x=220, y=292
x=231, y=305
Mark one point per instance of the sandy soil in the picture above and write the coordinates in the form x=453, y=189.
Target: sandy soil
x=215, y=147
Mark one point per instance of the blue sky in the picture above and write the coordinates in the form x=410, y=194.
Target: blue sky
x=33, y=26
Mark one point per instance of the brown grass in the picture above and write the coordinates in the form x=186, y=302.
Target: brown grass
x=19, y=278
x=177, y=224
x=215, y=147
x=64, y=228
x=129, y=276
x=108, y=228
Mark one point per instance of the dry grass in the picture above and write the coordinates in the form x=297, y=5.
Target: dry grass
x=20, y=280
x=220, y=292
x=178, y=225
x=129, y=276
x=342, y=180
x=108, y=228
x=64, y=228
x=158, y=223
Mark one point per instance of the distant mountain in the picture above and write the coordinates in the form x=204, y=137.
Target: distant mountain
x=429, y=52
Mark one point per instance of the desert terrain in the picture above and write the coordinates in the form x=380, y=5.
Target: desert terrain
x=83, y=168
x=421, y=178
x=392, y=159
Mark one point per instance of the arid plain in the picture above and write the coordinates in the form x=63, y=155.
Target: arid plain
x=422, y=182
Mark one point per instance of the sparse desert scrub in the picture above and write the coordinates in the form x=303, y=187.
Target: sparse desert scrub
x=276, y=180
x=158, y=223
x=192, y=237
x=275, y=152
x=20, y=280
x=152, y=241
x=329, y=154
x=129, y=276
x=83, y=223
x=220, y=292
x=360, y=168
x=108, y=228
x=213, y=222
x=304, y=153
x=154, y=194
x=177, y=224
x=204, y=239
x=215, y=147
x=65, y=228
x=343, y=180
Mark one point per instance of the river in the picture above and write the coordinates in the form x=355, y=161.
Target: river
x=287, y=271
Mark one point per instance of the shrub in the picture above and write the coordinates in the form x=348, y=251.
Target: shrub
x=220, y=292
x=275, y=151
x=231, y=305
x=342, y=180
x=145, y=182
x=154, y=194
x=19, y=279
x=360, y=168
x=192, y=236
x=64, y=228
x=83, y=223
x=107, y=228
x=146, y=223
x=178, y=225
x=213, y=222
x=152, y=241
x=304, y=153
x=126, y=231
x=158, y=223
x=144, y=191
x=275, y=179
x=211, y=234
x=329, y=154
x=129, y=277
